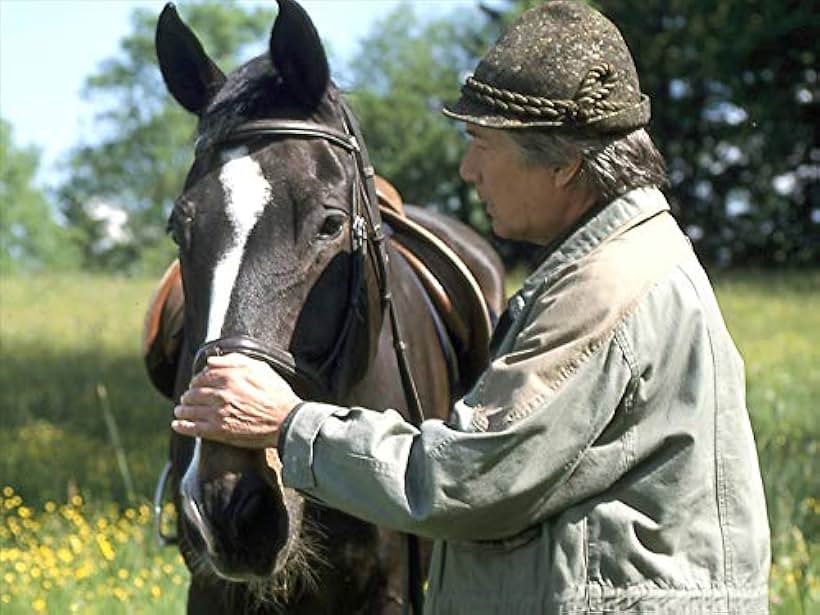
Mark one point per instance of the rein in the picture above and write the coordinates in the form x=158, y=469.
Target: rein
x=366, y=230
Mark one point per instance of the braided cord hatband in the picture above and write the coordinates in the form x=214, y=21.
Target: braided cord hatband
x=589, y=104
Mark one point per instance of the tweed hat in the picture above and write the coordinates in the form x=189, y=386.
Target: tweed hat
x=561, y=64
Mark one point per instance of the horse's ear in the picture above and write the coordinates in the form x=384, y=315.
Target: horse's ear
x=190, y=75
x=297, y=53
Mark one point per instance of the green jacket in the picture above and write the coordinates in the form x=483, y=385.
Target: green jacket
x=604, y=462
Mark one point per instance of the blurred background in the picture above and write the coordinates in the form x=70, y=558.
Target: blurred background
x=93, y=152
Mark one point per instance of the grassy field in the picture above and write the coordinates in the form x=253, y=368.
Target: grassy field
x=75, y=532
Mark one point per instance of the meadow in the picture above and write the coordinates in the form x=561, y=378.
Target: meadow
x=84, y=437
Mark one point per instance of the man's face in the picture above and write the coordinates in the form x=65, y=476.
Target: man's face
x=524, y=202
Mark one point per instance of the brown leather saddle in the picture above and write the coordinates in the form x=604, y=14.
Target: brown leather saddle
x=463, y=305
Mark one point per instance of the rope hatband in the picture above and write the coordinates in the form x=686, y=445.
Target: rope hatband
x=589, y=104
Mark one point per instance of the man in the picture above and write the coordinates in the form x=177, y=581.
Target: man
x=604, y=462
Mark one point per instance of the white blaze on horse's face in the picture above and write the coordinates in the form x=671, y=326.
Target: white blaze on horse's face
x=247, y=192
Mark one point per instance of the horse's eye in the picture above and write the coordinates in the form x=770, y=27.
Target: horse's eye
x=332, y=225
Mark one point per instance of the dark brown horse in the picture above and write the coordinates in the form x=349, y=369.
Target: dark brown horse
x=283, y=257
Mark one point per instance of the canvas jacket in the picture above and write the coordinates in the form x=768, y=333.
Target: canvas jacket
x=603, y=463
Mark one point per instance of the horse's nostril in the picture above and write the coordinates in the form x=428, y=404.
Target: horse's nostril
x=253, y=511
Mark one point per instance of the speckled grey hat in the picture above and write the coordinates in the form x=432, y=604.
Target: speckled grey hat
x=560, y=64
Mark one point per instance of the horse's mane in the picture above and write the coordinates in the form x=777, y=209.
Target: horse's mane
x=254, y=90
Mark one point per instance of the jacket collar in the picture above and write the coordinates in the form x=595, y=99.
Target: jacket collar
x=620, y=215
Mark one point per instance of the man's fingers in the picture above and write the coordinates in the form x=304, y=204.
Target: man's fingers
x=204, y=429
x=187, y=428
x=204, y=396
x=197, y=412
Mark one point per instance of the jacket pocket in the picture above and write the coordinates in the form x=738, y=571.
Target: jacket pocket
x=504, y=544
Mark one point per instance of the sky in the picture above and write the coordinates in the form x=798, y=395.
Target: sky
x=49, y=47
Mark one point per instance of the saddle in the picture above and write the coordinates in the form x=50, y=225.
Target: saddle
x=447, y=272
x=464, y=308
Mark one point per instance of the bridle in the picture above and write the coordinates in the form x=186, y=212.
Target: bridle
x=366, y=233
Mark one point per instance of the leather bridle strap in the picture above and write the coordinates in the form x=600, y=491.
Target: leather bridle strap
x=282, y=362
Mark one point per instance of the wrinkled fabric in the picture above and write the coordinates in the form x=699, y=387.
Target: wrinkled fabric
x=603, y=463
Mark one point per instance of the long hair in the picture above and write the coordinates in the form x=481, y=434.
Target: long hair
x=610, y=165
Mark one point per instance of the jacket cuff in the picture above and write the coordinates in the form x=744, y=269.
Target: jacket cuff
x=296, y=442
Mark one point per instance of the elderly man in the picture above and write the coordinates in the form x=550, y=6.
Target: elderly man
x=604, y=461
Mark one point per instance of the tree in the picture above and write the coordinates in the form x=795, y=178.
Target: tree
x=29, y=237
x=137, y=160
x=735, y=99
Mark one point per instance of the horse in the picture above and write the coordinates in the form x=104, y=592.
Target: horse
x=283, y=255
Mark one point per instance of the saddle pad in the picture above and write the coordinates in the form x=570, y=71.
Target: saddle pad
x=162, y=331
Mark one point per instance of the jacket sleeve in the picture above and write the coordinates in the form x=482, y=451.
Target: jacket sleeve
x=509, y=460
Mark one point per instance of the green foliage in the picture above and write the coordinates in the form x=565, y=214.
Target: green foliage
x=29, y=237
x=143, y=148
x=735, y=110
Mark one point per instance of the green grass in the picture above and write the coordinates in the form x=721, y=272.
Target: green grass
x=64, y=337
x=775, y=321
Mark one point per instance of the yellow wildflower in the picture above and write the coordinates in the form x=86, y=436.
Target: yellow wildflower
x=8, y=491
x=39, y=605
x=83, y=572
x=156, y=591
x=65, y=555
x=106, y=549
x=122, y=573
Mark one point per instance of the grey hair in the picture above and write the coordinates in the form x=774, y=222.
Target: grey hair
x=610, y=165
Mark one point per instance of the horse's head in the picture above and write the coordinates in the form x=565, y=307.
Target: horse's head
x=273, y=257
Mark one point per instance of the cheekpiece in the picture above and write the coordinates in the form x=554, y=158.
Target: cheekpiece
x=561, y=64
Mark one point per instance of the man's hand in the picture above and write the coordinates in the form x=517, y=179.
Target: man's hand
x=235, y=400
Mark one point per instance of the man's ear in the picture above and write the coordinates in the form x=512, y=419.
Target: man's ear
x=565, y=175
